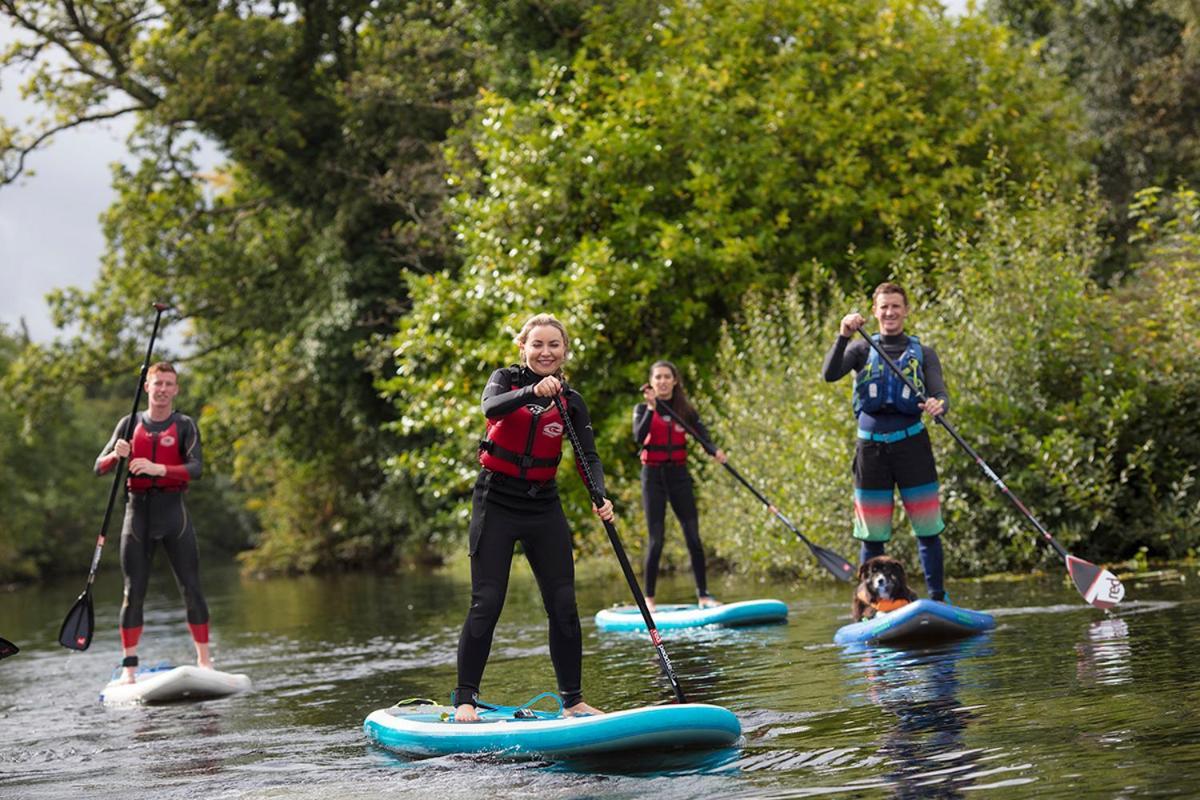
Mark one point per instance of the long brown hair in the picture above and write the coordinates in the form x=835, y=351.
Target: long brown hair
x=678, y=400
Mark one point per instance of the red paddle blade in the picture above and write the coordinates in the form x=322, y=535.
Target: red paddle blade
x=1098, y=586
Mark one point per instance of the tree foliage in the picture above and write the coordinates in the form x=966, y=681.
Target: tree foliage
x=684, y=158
x=1072, y=392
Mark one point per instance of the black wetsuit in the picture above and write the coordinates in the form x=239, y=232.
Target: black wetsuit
x=663, y=482
x=156, y=516
x=505, y=510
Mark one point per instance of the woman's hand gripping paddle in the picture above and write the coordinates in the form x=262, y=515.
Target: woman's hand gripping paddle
x=1098, y=586
x=76, y=630
x=598, y=500
x=828, y=559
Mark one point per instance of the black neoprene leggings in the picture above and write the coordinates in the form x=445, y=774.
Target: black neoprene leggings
x=151, y=519
x=660, y=484
x=503, y=514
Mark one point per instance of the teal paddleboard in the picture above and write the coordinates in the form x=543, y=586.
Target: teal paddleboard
x=745, y=612
x=422, y=728
x=921, y=621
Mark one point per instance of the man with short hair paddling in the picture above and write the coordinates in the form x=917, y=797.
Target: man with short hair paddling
x=164, y=458
x=893, y=447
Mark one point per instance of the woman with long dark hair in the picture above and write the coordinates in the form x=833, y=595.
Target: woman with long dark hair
x=665, y=476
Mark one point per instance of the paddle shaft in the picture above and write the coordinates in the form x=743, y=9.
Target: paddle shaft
x=939, y=419
x=598, y=500
x=839, y=566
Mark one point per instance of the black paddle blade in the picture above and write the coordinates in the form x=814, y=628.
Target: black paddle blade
x=831, y=561
x=76, y=631
x=7, y=648
x=1098, y=586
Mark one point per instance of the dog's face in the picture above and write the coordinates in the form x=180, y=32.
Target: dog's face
x=880, y=578
x=883, y=578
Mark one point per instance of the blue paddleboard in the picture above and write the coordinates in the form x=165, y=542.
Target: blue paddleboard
x=422, y=728
x=918, y=621
x=745, y=612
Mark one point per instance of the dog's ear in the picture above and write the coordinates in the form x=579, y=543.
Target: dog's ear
x=863, y=569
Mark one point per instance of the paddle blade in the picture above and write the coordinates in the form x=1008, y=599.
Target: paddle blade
x=7, y=648
x=76, y=631
x=1098, y=586
x=831, y=561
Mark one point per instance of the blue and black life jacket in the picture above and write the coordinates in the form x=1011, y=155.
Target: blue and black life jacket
x=877, y=388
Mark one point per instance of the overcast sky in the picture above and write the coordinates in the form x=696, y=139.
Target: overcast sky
x=50, y=233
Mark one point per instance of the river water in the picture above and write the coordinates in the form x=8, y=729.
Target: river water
x=1061, y=700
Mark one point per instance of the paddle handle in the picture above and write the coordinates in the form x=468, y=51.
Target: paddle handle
x=614, y=538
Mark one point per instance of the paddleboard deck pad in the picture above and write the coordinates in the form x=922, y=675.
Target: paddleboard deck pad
x=165, y=684
x=745, y=612
x=423, y=728
x=921, y=621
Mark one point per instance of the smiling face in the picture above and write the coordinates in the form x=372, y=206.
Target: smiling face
x=662, y=380
x=544, y=349
x=161, y=388
x=890, y=309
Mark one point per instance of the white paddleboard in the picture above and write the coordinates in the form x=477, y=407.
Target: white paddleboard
x=172, y=684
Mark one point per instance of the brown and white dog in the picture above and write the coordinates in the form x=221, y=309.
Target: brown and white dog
x=882, y=586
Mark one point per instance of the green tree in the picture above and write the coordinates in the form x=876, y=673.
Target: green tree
x=684, y=158
x=283, y=265
x=1072, y=392
x=1136, y=64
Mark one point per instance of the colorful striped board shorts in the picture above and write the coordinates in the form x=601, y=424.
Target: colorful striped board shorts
x=880, y=467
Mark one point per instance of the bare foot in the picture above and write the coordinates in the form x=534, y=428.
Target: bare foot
x=129, y=675
x=650, y=604
x=581, y=709
x=466, y=713
x=709, y=602
x=206, y=664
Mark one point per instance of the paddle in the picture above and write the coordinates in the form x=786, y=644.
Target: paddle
x=76, y=631
x=7, y=648
x=828, y=559
x=598, y=500
x=1098, y=586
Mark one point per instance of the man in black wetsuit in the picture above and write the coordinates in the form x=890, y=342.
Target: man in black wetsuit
x=164, y=457
x=893, y=445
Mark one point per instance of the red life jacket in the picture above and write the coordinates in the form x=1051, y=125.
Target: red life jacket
x=666, y=443
x=525, y=443
x=164, y=447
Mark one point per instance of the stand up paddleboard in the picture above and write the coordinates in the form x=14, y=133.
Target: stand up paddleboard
x=165, y=684
x=746, y=612
x=923, y=621
x=423, y=728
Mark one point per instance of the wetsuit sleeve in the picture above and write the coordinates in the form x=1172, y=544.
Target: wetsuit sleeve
x=498, y=397
x=935, y=384
x=582, y=422
x=843, y=358
x=193, y=460
x=641, y=422
x=107, y=458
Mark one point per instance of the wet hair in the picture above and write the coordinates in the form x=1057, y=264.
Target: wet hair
x=538, y=320
x=887, y=287
x=161, y=366
x=678, y=401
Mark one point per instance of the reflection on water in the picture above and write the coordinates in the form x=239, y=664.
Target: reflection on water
x=1105, y=657
x=920, y=739
x=1058, y=701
